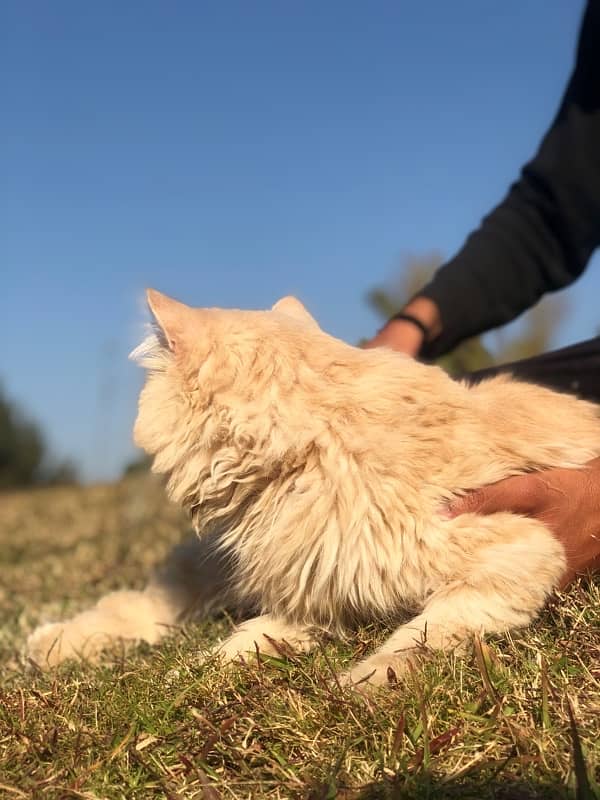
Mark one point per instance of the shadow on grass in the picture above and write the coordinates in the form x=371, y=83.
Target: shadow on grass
x=428, y=787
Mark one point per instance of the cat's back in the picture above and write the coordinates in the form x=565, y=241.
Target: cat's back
x=534, y=426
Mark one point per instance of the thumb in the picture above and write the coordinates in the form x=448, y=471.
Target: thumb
x=469, y=503
x=514, y=494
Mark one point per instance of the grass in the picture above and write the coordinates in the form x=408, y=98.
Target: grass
x=517, y=718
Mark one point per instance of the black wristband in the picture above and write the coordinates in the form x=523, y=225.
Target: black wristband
x=409, y=318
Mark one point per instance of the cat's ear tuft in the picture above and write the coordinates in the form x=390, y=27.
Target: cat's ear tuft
x=293, y=308
x=170, y=316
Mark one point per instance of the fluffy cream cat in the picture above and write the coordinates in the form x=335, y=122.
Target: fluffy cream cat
x=315, y=474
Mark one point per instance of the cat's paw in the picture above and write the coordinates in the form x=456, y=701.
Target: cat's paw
x=380, y=669
x=45, y=645
x=269, y=639
x=51, y=644
x=247, y=644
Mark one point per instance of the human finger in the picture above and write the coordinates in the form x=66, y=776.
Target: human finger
x=399, y=335
x=517, y=494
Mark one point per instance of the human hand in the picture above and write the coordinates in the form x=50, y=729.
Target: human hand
x=567, y=500
x=405, y=336
x=400, y=335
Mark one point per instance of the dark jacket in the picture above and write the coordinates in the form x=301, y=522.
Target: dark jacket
x=542, y=235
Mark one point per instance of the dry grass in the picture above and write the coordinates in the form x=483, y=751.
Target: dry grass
x=160, y=723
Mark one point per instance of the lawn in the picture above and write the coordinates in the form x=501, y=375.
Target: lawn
x=516, y=717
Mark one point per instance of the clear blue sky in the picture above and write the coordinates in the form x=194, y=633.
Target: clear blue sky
x=232, y=152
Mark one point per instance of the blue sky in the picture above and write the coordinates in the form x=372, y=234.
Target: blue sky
x=232, y=152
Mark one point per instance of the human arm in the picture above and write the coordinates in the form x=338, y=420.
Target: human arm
x=539, y=238
x=406, y=335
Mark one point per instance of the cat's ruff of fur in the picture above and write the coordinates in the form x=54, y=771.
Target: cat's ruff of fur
x=314, y=473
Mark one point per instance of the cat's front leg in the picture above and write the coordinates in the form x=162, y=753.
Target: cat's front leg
x=504, y=585
x=194, y=581
x=119, y=616
x=268, y=634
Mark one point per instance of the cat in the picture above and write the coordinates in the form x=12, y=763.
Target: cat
x=316, y=474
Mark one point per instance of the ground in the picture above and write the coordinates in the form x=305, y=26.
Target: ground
x=163, y=723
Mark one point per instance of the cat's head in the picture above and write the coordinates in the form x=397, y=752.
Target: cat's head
x=229, y=381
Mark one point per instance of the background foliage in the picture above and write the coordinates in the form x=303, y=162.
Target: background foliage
x=24, y=456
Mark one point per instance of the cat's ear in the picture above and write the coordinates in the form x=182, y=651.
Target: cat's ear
x=171, y=316
x=294, y=308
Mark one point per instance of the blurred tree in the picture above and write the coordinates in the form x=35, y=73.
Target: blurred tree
x=142, y=463
x=533, y=335
x=63, y=473
x=24, y=458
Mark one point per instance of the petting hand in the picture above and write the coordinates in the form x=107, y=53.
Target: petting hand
x=406, y=336
x=567, y=500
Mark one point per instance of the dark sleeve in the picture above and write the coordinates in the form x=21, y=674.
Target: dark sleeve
x=574, y=369
x=541, y=237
